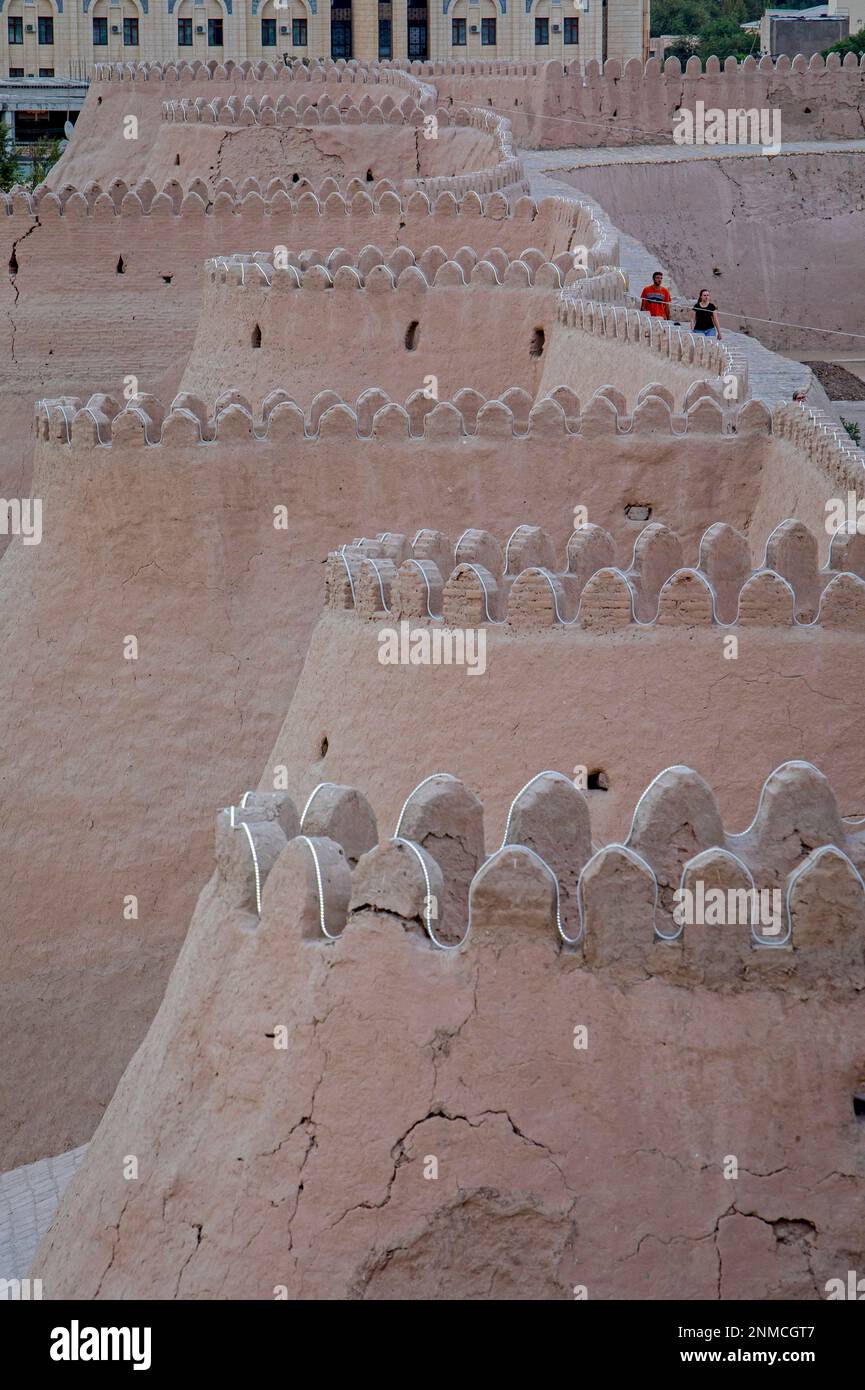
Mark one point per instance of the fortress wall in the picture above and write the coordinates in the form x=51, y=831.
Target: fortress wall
x=70, y=257
x=341, y=151
x=176, y=544
x=100, y=124
x=356, y=1112
x=257, y=313
x=520, y=585
x=556, y=700
x=550, y=108
x=452, y=323
x=784, y=234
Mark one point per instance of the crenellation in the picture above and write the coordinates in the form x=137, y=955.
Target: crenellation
x=477, y=582
x=615, y=908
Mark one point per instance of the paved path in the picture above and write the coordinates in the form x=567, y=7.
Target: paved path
x=772, y=378
x=28, y=1201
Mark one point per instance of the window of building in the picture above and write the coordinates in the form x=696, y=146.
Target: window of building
x=184, y=33
x=45, y=32
x=572, y=31
x=385, y=29
x=100, y=32
x=214, y=33
x=458, y=33
x=542, y=31
x=16, y=72
x=340, y=29
x=15, y=29
x=298, y=33
x=417, y=38
x=46, y=72
x=488, y=32
x=268, y=33
x=130, y=33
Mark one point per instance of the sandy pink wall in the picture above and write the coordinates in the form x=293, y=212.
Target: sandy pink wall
x=786, y=234
x=176, y=545
x=552, y=109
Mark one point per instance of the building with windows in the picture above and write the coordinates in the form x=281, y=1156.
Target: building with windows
x=65, y=38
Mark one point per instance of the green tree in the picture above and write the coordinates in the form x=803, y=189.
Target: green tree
x=9, y=174
x=854, y=43
x=45, y=155
x=724, y=39
x=678, y=17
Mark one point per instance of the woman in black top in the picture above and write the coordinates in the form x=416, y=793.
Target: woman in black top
x=706, y=317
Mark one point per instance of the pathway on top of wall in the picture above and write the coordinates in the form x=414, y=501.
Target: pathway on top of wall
x=772, y=378
x=28, y=1200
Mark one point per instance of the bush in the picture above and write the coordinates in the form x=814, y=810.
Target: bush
x=853, y=430
x=854, y=43
x=9, y=174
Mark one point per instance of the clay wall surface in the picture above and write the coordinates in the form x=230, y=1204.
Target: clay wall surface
x=780, y=239
x=541, y=1185
x=563, y=700
x=637, y=105
x=73, y=256
x=392, y=152
x=176, y=544
x=110, y=100
x=308, y=328
x=444, y=343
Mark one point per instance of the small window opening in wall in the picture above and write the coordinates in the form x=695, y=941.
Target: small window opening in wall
x=859, y=1102
x=638, y=511
x=13, y=264
x=322, y=752
x=295, y=178
x=411, y=335
x=369, y=178
x=98, y=101
x=806, y=110
x=597, y=781
x=256, y=337
x=168, y=279
x=121, y=266
x=177, y=159
x=536, y=346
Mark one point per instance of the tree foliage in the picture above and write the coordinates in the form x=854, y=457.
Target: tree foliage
x=712, y=26
x=854, y=43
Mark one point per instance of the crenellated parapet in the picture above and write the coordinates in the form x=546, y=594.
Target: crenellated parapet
x=145, y=421
x=826, y=443
x=375, y=270
x=339, y=72
x=617, y=320
x=517, y=586
x=306, y=110
x=680, y=896
x=639, y=103
x=276, y=199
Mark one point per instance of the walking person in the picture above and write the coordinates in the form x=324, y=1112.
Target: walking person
x=706, y=317
x=654, y=299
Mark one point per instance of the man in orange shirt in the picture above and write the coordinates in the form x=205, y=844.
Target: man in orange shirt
x=655, y=300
